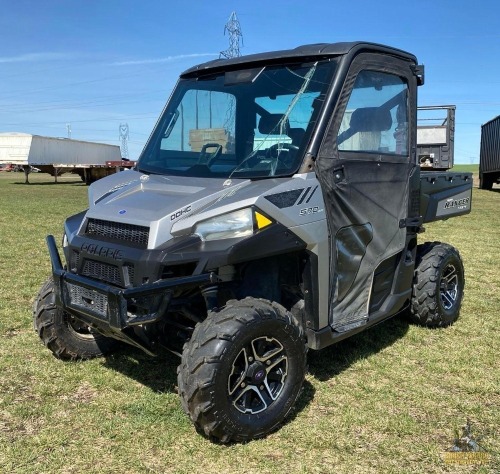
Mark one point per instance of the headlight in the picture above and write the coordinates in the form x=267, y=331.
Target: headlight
x=64, y=241
x=240, y=223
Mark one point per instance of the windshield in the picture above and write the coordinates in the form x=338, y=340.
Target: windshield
x=248, y=123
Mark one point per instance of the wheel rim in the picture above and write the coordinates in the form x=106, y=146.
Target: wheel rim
x=82, y=330
x=449, y=287
x=258, y=375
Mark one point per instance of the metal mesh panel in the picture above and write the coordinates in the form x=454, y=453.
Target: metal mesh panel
x=102, y=271
x=88, y=299
x=118, y=231
x=74, y=260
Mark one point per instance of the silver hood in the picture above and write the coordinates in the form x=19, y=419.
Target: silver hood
x=169, y=205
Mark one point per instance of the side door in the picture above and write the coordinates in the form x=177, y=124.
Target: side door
x=364, y=167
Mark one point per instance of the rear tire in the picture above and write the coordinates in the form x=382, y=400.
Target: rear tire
x=242, y=370
x=65, y=336
x=438, y=285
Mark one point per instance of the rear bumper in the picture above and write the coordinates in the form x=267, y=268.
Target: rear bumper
x=112, y=310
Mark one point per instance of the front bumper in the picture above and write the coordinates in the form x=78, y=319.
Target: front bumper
x=111, y=310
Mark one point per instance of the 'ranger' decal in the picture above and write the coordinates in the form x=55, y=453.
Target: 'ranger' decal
x=455, y=205
x=458, y=203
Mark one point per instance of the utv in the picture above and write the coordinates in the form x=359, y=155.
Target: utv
x=274, y=209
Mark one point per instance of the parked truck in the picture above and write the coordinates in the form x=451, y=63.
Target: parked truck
x=91, y=161
x=275, y=208
x=489, y=158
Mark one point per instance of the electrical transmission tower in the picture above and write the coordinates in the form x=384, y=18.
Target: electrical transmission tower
x=234, y=29
x=123, y=131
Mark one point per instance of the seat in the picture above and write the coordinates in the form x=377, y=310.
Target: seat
x=273, y=124
x=368, y=122
x=296, y=134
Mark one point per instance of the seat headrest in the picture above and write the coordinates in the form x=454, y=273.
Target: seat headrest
x=371, y=119
x=270, y=124
x=296, y=134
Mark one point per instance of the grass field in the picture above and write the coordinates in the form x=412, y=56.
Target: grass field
x=386, y=401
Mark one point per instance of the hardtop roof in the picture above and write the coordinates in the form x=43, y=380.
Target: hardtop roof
x=308, y=51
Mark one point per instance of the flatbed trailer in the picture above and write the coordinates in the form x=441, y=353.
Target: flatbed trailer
x=91, y=161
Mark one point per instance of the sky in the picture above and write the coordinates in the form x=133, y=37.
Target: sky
x=91, y=65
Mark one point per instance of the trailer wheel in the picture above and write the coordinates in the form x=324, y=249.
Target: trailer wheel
x=242, y=370
x=486, y=181
x=65, y=336
x=438, y=285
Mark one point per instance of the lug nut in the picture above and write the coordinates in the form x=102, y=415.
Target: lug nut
x=250, y=359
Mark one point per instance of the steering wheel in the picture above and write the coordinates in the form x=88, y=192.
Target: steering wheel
x=281, y=153
x=275, y=151
x=208, y=158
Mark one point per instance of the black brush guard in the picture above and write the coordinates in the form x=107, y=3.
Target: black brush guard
x=115, y=311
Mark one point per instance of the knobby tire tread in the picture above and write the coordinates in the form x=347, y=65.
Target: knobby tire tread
x=47, y=324
x=425, y=308
x=203, y=356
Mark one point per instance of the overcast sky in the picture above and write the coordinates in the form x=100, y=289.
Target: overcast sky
x=96, y=64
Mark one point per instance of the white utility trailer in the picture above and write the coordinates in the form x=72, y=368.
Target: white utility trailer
x=55, y=156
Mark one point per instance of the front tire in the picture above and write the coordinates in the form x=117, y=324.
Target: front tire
x=65, y=336
x=242, y=370
x=438, y=285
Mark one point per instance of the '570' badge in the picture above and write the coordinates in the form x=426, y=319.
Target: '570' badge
x=310, y=210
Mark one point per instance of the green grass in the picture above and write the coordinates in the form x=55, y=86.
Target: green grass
x=387, y=400
x=469, y=168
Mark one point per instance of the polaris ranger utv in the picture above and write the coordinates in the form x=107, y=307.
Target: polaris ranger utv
x=275, y=208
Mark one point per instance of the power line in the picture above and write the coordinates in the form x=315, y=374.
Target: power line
x=99, y=100
x=104, y=119
x=22, y=92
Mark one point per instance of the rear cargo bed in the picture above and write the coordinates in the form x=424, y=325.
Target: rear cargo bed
x=444, y=194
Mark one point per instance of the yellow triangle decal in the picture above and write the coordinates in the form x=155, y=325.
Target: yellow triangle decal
x=262, y=221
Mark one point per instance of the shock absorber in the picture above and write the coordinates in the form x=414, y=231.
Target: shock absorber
x=210, y=294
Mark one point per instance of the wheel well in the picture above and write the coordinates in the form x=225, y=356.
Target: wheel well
x=278, y=278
